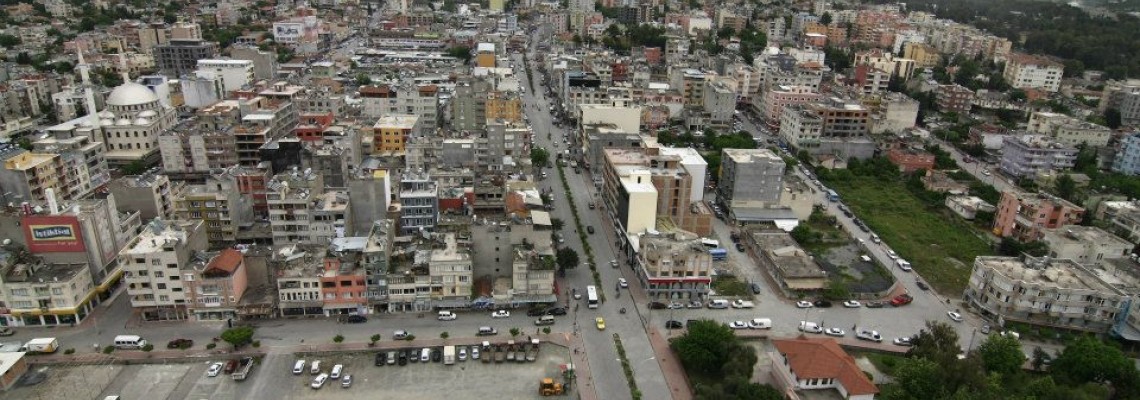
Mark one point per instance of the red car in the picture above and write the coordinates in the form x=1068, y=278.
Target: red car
x=231, y=365
x=901, y=300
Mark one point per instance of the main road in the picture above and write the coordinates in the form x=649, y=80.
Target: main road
x=609, y=378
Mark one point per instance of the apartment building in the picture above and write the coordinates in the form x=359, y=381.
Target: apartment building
x=302, y=211
x=30, y=176
x=1046, y=292
x=954, y=98
x=219, y=204
x=628, y=191
x=419, y=203
x=1027, y=155
x=439, y=276
x=719, y=102
x=406, y=98
x=750, y=178
x=1023, y=215
x=39, y=294
x=1122, y=217
x=1084, y=244
x=151, y=194
x=924, y=55
x=196, y=146
x=1128, y=157
x=180, y=57
x=895, y=113
x=662, y=175
x=1069, y=131
x=1024, y=71
x=390, y=133
x=902, y=68
x=674, y=266
x=215, y=285
x=264, y=118
x=800, y=127
x=233, y=74
x=513, y=259
x=773, y=102
x=152, y=265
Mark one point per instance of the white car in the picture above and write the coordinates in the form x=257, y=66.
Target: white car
x=215, y=369
x=868, y=335
x=474, y=352
x=804, y=304
x=834, y=332
x=954, y=316
x=501, y=314
x=738, y=325
x=462, y=353
x=903, y=341
x=810, y=327
x=852, y=304
x=623, y=283
x=892, y=254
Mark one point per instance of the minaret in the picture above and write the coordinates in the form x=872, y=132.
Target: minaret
x=88, y=95
x=123, y=68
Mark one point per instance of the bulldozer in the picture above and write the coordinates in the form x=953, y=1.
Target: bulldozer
x=549, y=388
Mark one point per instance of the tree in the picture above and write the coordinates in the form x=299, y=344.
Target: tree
x=938, y=343
x=557, y=224
x=567, y=258
x=918, y=378
x=444, y=335
x=1088, y=359
x=1066, y=187
x=1112, y=118
x=1040, y=357
x=1002, y=354
x=460, y=52
x=9, y=40
x=836, y=290
x=338, y=339
x=363, y=79
x=539, y=157
x=375, y=338
x=515, y=332
x=239, y=336
x=705, y=347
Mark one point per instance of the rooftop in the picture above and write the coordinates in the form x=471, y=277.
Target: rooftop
x=159, y=234
x=35, y=273
x=397, y=121
x=1043, y=271
x=752, y=155
x=823, y=358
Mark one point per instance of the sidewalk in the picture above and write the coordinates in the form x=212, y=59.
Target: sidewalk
x=675, y=375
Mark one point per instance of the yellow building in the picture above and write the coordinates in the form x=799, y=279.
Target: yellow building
x=497, y=5
x=390, y=134
x=485, y=55
x=924, y=55
x=501, y=107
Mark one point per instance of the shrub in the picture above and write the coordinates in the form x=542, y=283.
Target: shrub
x=546, y=330
x=148, y=347
x=375, y=338
x=69, y=351
x=211, y=346
x=443, y=335
x=410, y=338
x=256, y=343
x=338, y=339
x=108, y=349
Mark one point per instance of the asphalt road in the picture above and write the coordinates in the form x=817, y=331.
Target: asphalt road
x=607, y=372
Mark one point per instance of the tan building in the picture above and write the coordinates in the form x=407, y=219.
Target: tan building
x=390, y=134
x=152, y=265
x=789, y=264
x=924, y=55
x=1084, y=244
x=219, y=204
x=302, y=211
x=674, y=266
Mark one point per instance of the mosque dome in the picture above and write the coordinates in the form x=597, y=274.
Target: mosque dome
x=131, y=94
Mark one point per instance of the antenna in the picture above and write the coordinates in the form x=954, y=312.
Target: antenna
x=89, y=96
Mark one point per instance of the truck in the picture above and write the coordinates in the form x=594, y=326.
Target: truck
x=41, y=345
x=718, y=254
x=448, y=355
x=243, y=369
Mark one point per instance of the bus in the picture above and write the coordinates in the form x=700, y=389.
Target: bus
x=591, y=296
x=718, y=254
x=832, y=196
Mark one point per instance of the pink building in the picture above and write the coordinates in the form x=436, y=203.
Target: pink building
x=1024, y=215
x=782, y=96
x=342, y=293
x=215, y=291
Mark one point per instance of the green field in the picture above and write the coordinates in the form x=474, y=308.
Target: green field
x=940, y=246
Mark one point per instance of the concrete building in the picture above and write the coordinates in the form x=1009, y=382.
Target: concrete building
x=406, y=98
x=789, y=264
x=30, y=176
x=629, y=194
x=180, y=56
x=264, y=62
x=750, y=178
x=1122, y=218
x=438, y=276
x=924, y=55
x=719, y=102
x=1023, y=215
x=513, y=260
x=215, y=285
x=954, y=98
x=1084, y=244
x=46, y=294
x=674, y=266
x=968, y=207
x=219, y=203
x=151, y=268
x=419, y=203
x=1024, y=71
x=1027, y=155
x=1128, y=157
x=902, y=68
x=152, y=195
x=233, y=74
x=773, y=102
x=897, y=113
x=910, y=159
x=391, y=133
x=302, y=210
x=1046, y=292
x=1067, y=130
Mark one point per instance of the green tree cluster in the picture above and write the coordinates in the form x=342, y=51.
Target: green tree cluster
x=567, y=258
x=720, y=364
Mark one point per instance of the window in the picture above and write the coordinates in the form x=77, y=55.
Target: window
x=57, y=291
x=20, y=292
x=158, y=274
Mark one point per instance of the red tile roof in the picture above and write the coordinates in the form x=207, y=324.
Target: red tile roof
x=823, y=358
x=227, y=262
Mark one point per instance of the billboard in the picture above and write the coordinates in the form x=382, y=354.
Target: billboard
x=53, y=234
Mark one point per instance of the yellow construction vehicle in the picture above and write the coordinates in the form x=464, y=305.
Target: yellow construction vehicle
x=549, y=388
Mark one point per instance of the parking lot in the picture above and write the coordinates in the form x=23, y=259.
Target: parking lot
x=273, y=378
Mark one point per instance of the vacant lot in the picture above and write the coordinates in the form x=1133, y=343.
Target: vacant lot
x=942, y=248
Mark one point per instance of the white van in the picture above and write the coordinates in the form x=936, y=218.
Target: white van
x=315, y=368
x=299, y=367
x=865, y=258
x=760, y=323
x=337, y=369
x=447, y=316
x=875, y=238
x=903, y=265
x=718, y=304
x=425, y=355
x=129, y=342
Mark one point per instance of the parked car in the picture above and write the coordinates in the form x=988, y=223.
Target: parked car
x=868, y=335
x=922, y=285
x=755, y=288
x=739, y=247
x=590, y=228
x=903, y=341
x=6, y=331
x=671, y=324
x=834, y=332
x=694, y=304
x=675, y=306
x=214, y=370
x=901, y=300
x=380, y=359
x=823, y=303
x=577, y=294
x=231, y=365
x=810, y=327
x=346, y=381
x=180, y=344
x=355, y=319
x=873, y=304
x=742, y=304
x=657, y=305
x=852, y=304
x=954, y=316
x=804, y=304
x=623, y=283
x=501, y=314
x=436, y=355
x=738, y=325
x=556, y=311
x=400, y=335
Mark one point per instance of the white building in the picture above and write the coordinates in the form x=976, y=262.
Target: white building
x=151, y=267
x=234, y=74
x=1024, y=71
